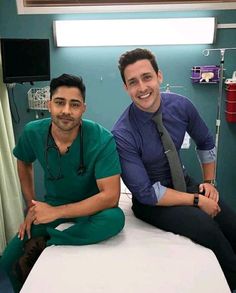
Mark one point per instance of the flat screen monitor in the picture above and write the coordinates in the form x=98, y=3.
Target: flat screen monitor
x=25, y=60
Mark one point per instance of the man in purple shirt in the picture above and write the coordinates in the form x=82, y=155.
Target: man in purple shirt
x=198, y=213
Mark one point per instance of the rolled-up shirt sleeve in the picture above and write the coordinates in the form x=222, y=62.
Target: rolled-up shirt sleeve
x=207, y=156
x=134, y=173
x=199, y=132
x=159, y=190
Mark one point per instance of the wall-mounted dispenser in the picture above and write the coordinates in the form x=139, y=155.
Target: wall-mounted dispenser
x=205, y=74
x=38, y=99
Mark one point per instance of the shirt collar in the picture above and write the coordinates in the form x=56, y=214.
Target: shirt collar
x=143, y=116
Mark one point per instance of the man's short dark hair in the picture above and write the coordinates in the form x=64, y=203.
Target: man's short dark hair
x=133, y=56
x=69, y=81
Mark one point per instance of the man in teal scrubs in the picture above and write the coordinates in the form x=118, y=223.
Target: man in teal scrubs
x=81, y=177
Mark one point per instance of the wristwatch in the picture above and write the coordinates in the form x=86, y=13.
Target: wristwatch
x=211, y=181
x=196, y=200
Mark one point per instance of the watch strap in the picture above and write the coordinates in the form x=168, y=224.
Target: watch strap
x=196, y=200
x=210, y=181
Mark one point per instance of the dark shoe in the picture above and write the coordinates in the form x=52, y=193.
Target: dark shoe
x=32, y=250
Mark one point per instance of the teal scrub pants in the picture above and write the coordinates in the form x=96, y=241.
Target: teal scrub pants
x=86, y=230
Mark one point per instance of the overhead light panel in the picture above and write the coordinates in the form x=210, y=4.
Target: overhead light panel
x=126, y=32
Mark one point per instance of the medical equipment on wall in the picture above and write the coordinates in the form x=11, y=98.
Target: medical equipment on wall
x=206, y=53
x=205, y=74
x=230, y=102
x=51, y=146
x=38, y=99
x=168, y=87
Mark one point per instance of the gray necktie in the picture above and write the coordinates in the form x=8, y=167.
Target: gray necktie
x=176, y=169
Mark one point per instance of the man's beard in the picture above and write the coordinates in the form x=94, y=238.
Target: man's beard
x=72, y=123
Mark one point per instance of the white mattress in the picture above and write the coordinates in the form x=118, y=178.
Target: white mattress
x=141, y=259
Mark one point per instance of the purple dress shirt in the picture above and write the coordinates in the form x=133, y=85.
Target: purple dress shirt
x=145, y=169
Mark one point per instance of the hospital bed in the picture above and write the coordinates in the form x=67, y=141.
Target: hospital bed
x=141, y=259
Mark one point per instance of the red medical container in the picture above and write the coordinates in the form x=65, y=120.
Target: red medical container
x=231, y=98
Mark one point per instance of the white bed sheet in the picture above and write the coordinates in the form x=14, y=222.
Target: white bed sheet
x=141, y=259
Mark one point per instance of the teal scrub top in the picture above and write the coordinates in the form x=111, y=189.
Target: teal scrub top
x=99, y=153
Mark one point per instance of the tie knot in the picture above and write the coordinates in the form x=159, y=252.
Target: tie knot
x=157, y=118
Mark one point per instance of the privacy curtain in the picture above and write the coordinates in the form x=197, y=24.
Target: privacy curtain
x=11, y=205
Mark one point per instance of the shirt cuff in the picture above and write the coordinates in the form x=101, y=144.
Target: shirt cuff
x=207, y=156
x=159, y=190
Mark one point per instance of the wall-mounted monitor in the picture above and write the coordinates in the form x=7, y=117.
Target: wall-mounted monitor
x=25, y=60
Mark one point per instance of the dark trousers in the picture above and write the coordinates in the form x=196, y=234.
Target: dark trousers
x=217, y=234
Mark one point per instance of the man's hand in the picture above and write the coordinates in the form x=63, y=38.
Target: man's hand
x=43, y=213
x=209, y=191
x=25, y=227
x=208, y=205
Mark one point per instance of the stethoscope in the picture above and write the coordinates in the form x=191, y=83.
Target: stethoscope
x=81, y=169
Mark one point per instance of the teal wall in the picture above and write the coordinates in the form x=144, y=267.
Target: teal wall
x=106, y=98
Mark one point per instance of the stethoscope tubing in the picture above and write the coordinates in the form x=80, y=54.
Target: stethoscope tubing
x=81, y=170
